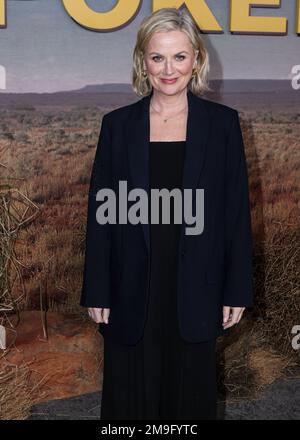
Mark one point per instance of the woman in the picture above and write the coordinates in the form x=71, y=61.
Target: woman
x=162, y=295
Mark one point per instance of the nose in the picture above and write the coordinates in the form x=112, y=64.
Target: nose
x=168, y=68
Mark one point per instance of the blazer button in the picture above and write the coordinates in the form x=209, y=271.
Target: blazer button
x=183, y=253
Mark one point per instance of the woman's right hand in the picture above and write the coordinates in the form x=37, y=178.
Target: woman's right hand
x=99, y=315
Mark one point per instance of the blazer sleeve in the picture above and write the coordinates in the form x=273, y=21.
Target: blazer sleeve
x=96, y=276
x=238, y=287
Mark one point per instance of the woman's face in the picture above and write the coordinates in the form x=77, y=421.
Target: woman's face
x=169, y=55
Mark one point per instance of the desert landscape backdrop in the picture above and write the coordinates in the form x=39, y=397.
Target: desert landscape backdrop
x=47, y=145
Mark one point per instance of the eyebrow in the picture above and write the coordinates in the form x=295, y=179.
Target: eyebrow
x=183, y=51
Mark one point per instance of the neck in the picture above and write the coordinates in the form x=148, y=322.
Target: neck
x=165, y=103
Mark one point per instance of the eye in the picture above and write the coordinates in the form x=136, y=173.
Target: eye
x=158, y=57
x=155, y=57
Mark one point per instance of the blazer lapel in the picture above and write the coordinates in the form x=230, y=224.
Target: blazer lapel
x=137, y=141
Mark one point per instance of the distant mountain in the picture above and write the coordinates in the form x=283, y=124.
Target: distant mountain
x=251, y=85
x=225, y=86
x=106, y=88
x=231, y=92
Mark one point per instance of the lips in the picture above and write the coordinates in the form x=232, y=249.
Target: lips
x=169, y=81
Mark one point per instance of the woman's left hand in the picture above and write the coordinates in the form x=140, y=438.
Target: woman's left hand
x=231, y=315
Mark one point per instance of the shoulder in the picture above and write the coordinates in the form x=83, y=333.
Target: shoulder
x=218, y=109
x=226, y=118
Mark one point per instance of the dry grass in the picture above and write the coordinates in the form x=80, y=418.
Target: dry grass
x=55, y=158
x=259, y=350
x=248, y=363
x=17, y=392
x=278, y=286
x=268, y=365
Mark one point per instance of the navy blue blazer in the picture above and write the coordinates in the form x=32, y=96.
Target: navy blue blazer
x=214, y=267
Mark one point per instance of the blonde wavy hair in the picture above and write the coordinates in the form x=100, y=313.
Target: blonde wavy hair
x=164, y=20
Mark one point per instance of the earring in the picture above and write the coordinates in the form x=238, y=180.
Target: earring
x=144, y=73
x=194, y=72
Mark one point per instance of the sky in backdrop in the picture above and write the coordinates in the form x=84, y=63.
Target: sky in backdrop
x=44, y=50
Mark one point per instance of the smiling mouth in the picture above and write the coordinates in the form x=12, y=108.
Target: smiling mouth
x=168, y=79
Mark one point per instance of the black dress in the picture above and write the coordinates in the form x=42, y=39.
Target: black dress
x=162, y=376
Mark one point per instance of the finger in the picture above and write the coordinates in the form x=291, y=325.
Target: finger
x=228, y=324
x=235, y=314
x=105, y=315
x=96, y=314
x=226, y=311
x=100, y=316
x=240, y=314
x=92, y=311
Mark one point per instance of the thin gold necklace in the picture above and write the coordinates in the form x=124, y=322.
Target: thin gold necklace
x=170, y=117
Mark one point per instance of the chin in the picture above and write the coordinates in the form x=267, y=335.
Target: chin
x=170, y=89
